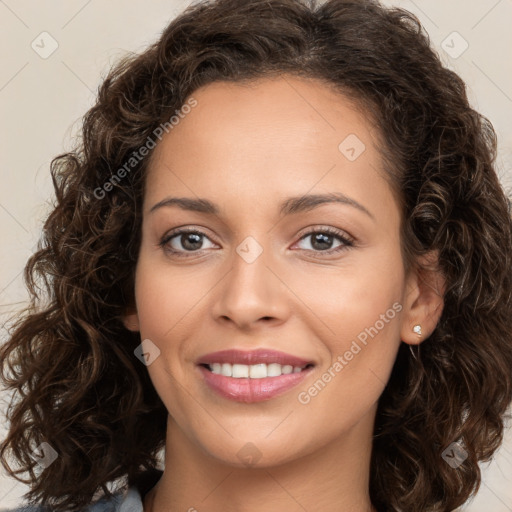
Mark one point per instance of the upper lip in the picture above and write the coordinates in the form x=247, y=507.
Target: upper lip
x=250, y=357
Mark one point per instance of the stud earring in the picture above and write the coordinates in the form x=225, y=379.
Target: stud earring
x=417, y=329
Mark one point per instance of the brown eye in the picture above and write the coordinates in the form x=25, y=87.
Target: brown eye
x=323, y=240
x=183, y=241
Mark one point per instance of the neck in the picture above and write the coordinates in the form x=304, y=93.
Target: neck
x=331, y=478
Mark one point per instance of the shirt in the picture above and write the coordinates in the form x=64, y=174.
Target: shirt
x=129, y=500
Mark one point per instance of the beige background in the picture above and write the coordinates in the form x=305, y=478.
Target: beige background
x=42, y=100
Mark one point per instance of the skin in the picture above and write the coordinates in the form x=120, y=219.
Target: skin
x=248, y=147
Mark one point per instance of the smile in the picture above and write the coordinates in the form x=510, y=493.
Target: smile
x=255, y=371
x=249, y=383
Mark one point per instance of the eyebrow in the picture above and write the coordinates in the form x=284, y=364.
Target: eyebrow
x=290, y=206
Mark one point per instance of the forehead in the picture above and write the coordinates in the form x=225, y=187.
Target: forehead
x=275, y=136
x=284, y=109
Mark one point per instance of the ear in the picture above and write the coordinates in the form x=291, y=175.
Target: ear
x=424, y=299
x=131, y=319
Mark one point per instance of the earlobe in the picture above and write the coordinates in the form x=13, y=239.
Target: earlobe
x=131, y=320
x=424, y=300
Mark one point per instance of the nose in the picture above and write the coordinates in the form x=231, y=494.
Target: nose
x=251, y=294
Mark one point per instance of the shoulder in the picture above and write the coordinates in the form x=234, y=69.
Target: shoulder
x=127, y=501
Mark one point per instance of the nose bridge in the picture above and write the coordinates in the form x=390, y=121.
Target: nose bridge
x=251, y=291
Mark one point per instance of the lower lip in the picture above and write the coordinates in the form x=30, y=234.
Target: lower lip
x=252, y=390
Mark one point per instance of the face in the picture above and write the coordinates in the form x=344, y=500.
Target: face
x=319, y=280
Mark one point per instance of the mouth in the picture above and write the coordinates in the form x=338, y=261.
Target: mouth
x=254, y=371
x=252, y=376
x=253, y=358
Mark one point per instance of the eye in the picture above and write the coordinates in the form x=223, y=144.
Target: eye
x=179, y=242
x=322, y=240
x=183, y=241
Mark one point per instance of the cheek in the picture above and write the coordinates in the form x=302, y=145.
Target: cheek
x=165, y=313
x=362, y=354
x=164, y=297
x=359, y=310
x=351, y=298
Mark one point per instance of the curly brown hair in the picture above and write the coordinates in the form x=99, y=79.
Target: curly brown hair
x=70, y=360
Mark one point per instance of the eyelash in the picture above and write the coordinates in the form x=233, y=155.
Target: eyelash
x=347, y=242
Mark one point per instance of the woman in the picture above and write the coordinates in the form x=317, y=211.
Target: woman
x=282, y=255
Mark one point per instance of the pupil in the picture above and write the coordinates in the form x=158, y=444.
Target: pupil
x=322, y=238
x=188, y=240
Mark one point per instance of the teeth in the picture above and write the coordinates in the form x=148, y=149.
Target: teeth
x=226, y=369
x=254, y=371
x=239, y=370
